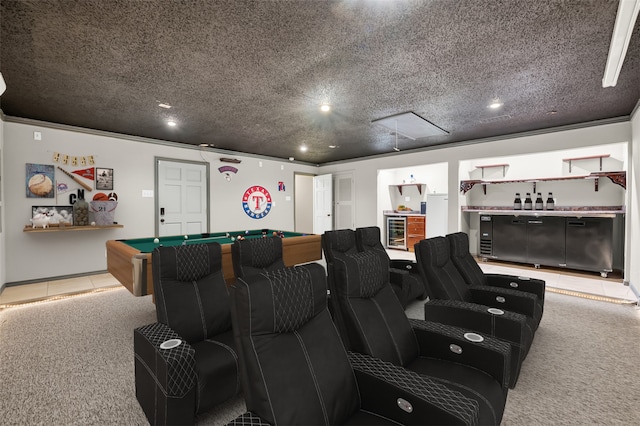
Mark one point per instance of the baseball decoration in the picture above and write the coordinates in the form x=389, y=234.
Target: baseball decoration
x=76, y=179
x=228, y=171
x=256, y=202
x=40, y=178
x=100, y=196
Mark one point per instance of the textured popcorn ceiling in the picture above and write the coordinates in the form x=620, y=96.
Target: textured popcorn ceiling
x=249, y=76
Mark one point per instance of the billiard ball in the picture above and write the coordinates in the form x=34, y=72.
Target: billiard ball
x=186, y=237
x=156, y=240
x=233, y=238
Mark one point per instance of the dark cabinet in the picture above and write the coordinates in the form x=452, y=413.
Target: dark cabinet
x=590, y=244
x=546, y=240
x=578, y=243
x=510, y=238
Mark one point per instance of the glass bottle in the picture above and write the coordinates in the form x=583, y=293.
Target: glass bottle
x=551, y=204
x=80, y=212
x=528, y=203
x=517, y=203
x=539, y=202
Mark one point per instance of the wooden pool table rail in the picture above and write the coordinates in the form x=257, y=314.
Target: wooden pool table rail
x=134, y=269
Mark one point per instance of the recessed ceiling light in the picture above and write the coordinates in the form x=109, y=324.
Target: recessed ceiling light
x=325, y=108
x=495, y=104
x=333, y=146
x=165, y=106
x=171, y=123
x=303, y=148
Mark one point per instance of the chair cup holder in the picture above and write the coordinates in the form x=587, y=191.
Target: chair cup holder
x=495, y=311
x=170, y=344
x=473, y=337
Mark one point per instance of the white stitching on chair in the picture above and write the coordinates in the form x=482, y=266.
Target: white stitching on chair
x=364, y=336
x=197, y=293
x=313, y=375
x=253, y=348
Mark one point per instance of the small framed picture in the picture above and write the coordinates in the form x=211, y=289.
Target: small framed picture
x=104, y=179
x=58, y=215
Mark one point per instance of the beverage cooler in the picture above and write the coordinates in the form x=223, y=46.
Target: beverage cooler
x=590, y=244
x=396, y=232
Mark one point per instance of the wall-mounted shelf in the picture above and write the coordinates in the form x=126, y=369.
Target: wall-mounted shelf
x=29, y=228
x=417, y=185
x=591, y=157
x=619, y=178
x=492, y=166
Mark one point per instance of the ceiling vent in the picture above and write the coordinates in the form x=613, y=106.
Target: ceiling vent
x=410, y=125
x=495, y=119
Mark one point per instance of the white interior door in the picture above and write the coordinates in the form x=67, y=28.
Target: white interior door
x=322, y=204
x=182, y=202
x=345, y=207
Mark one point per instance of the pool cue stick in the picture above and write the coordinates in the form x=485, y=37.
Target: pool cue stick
x=76, y=179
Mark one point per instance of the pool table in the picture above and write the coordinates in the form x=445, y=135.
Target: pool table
x=129, y=261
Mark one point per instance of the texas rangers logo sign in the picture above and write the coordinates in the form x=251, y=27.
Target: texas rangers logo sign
x=256, y=202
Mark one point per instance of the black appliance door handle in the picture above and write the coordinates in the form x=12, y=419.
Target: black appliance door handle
x=576, y=223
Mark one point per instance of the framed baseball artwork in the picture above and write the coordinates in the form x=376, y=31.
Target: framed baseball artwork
x=39, y=181
x=104, y=179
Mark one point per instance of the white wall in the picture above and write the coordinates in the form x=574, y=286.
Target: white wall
x=304, y=203
x=44, y=255
x=549, y=164
x=366, y=171
x=3, y=269
x=35, y=256
x=433, y=176
x=632, y=247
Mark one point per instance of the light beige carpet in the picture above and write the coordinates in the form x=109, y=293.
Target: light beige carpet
x=71, y=362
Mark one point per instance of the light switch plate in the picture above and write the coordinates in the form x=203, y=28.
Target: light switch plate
x=147, y=193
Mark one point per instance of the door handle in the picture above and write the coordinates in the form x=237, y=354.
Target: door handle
x=161, y=211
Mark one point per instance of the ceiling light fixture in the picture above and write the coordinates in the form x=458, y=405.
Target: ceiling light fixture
x=171, y=123
x=303, y=148
x=325, y=108
x=333, y=146
x=622, y=30
x=495, y=104
x=165, y=106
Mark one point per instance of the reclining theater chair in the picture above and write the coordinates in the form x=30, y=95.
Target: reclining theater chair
x=256, y=255
x=295, y=370
x=506, y=314
x=174, y=384
x=443, y=277
x=474, y=276
x=405, y=280
x=374, y=323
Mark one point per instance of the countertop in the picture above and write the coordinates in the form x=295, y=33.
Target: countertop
x=407, y=213
x=597, y=211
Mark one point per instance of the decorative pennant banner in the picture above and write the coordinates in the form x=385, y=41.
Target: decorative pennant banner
x=227, y=171
x=86, y=173
x=73, y=160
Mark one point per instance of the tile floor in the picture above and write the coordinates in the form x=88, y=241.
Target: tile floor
x=43, y=290
x=590, y=284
